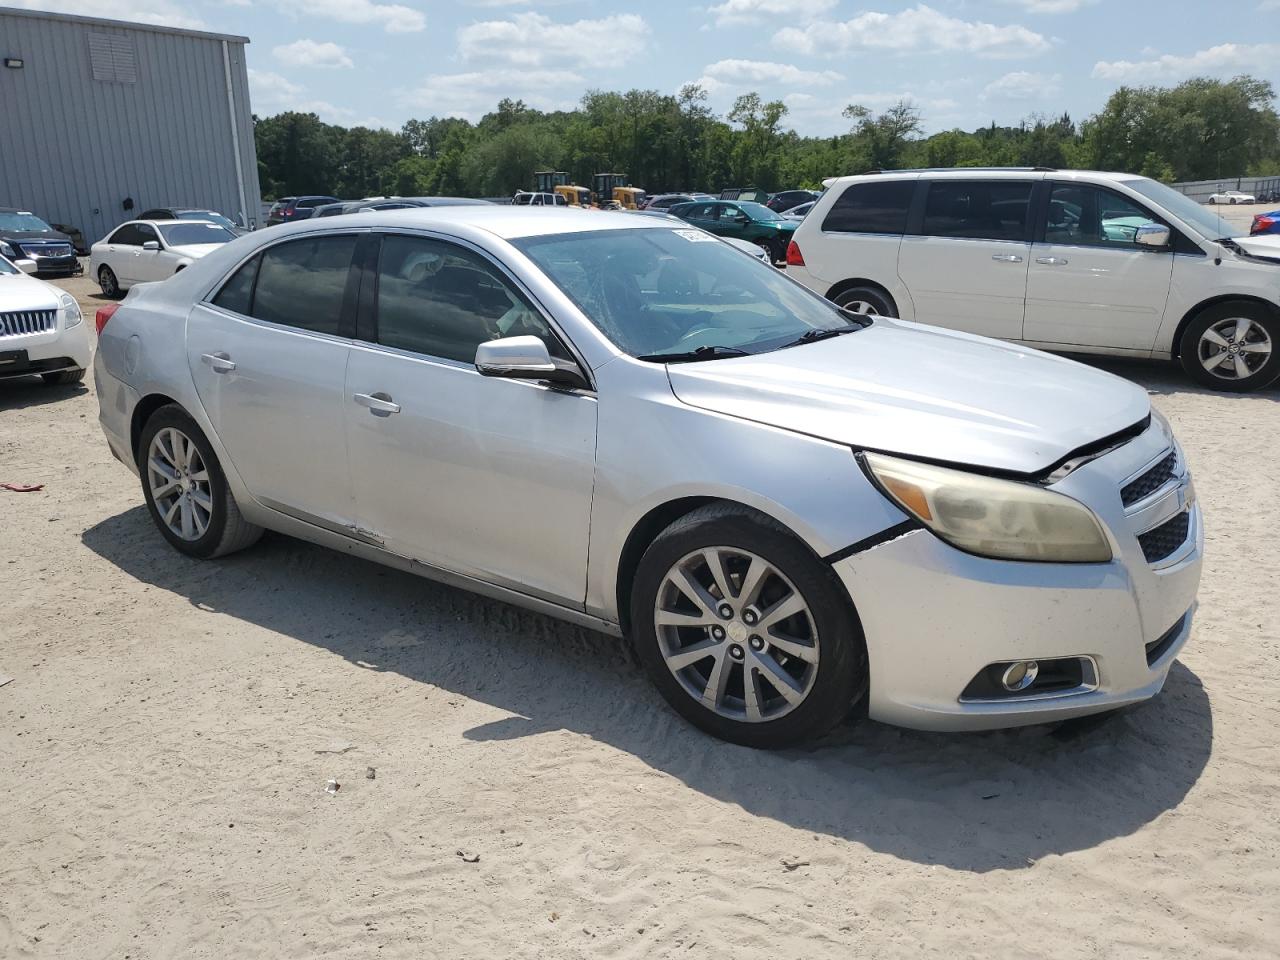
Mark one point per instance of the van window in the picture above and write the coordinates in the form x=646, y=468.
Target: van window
x=878, y=206
x=979, y=210
x=301, y=283
x=1085, y=215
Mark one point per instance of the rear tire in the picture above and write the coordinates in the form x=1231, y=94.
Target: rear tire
x=866, y=300
x=62, y=377
x=198, y=490
x=1211, y=355
x=818, y=652
x=108, y=282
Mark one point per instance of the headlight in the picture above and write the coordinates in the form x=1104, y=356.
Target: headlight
x=71, y=309
x=1004, y=519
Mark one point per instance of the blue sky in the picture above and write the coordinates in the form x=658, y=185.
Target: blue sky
x=963, y=62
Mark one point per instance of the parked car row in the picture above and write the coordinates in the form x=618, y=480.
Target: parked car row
x=780, y=557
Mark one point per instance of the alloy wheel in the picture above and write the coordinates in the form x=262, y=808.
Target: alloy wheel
x=864, y=307
x=737, y=634
x=1235, y=348
x=179, y=482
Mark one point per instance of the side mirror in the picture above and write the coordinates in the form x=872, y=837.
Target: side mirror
x=1154, y=235
x=151, y=245
x=26, y=265
x=525, y=358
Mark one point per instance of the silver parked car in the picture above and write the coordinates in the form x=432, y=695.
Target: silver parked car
x=792, y=511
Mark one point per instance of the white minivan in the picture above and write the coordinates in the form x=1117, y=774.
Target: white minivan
x=1075, y=261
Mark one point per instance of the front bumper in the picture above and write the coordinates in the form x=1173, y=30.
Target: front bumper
x=934, y=617
x=47, y=352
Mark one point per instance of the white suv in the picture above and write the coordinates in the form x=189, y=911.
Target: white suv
x=41, y=330
x=1063, y=260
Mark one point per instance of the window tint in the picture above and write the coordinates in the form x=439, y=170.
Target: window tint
x=1092, y=216
x=236, y=294
x=876, y=207
x=128, y=234
x=146, y=233
x=157, y=215
x=980, y=210
x=316, y=201
x=442, y=300
x=301, y=283
x=701, y=211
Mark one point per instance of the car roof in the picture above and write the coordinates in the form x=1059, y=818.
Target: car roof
x=503, y=221
x=982, y=173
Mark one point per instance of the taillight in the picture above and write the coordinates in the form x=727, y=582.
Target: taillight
x=103, y=315
x=1261, y=223
x=794, y=257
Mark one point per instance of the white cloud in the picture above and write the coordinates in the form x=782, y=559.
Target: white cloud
x=1268, y=6
x=1225, y=58
x=739, y=73
x=1052, y=6
x=471, y=95
x=394, y=17
x=164, y=13
x=920, y=29
x=1021, y=85
x=309, y=53
x=533, y=40
x=271, y=92
x=754, y=11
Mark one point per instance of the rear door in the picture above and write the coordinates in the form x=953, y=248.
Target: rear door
x=1089, y=284
x=964, y=260
x=120, y=253
x=483, y=476
x=268, y=354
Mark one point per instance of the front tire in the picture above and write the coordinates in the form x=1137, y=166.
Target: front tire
x=108, y=282
x=744, y=631
x=62, y=378
x=1232, y=346
x=185, y=489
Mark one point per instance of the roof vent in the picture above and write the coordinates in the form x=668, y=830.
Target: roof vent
x=113, y=58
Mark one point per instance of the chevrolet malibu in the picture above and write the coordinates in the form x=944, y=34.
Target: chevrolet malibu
x=793, y=511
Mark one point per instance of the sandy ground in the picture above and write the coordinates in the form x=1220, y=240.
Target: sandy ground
x=171, y=726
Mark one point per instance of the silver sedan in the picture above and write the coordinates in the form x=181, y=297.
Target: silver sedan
x=793, y=512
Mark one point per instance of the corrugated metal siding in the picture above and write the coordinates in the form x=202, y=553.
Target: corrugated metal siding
x=72, y=147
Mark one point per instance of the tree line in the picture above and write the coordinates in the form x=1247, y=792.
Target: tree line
x=1201, y=129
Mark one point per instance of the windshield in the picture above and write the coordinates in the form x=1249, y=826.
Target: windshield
x=1184, y=208
x=757, y=211
x=672, y=291
x=180, y=234
x=23, y=222
x=208, y=216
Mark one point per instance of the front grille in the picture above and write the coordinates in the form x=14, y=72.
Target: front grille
x=1149, y=482
x=1158, y=647
x=21, y=322
x=1163, y=540
x=42, y=250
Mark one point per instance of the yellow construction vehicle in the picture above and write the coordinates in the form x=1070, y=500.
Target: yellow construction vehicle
x=574, y=196
x=629, y=198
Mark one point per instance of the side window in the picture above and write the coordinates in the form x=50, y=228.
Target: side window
x=236, y=294
x=875, y=207
x=128, y=234
x=442, y=300
x=301, y=283
x=1092, y=216
x=980, y=210
x=146, y=233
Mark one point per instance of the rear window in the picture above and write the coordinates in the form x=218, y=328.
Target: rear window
x=991, y=210
x=301, y=283
x=875, y=207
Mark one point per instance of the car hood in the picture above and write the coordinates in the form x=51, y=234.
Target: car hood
x=18, y=291
x=923, y=392
x=195, y=250
x=51, y=235
x=1261, y=245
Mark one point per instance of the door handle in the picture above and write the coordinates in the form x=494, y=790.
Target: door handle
x=379, y=404
x=1006, y=257
x=220, y=362
x=1052, y=261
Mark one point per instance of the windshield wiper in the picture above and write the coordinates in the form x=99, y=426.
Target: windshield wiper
x=813, y=336
x=714, y=352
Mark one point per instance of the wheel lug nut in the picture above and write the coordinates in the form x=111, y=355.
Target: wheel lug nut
x=736, y=652
x=749, y=617
x=726, y=611
x=717, y=632
x=757, y=644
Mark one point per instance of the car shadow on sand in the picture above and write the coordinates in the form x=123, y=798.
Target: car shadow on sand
x=31, y=391
x=975, y=802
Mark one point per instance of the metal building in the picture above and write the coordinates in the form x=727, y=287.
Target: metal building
x=101, y=119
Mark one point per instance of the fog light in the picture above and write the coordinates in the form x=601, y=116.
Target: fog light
x=1020, y=675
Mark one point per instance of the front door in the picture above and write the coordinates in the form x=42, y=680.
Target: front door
x=966, y=267
x=1089, y=283
x=482, y=476
x=268, y=354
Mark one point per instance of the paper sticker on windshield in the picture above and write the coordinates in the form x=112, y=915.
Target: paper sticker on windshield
x=696, y=236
